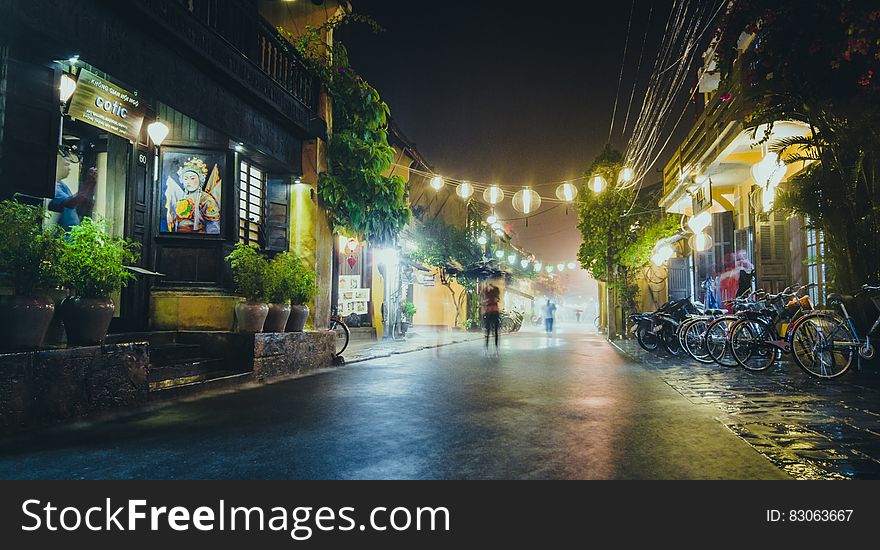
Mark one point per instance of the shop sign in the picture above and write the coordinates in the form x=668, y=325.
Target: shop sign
x=429, y=280
x=702, y=198
x=107, y=106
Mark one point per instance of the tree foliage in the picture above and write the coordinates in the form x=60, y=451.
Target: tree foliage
x=360, y=199
x=821, y=66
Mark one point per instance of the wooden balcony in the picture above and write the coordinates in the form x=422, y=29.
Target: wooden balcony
x=719, y=124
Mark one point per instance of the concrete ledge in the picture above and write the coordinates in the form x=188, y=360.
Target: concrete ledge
x=173, y=310
x=47, y=386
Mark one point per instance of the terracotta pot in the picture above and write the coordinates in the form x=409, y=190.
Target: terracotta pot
x=277, y=319
x=298, y=317
x=251, y=316
x=86, y=320
x=24, y=321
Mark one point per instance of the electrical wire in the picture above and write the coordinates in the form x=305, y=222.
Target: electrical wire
x=622, y=65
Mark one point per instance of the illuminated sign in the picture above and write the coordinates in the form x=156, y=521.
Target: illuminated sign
x=107, y=106
x=702, y=198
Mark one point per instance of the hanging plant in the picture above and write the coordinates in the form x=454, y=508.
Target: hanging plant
x=354, y=190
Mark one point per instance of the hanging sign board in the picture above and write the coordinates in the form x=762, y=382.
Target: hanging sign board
x=107, y=106
x=702, y=199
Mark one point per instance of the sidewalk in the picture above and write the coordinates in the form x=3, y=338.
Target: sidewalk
x=811, y=428
x=416, y=340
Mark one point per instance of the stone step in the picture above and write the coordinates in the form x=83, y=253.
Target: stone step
x=185, y=369
x=173, y=353
x=185, y=387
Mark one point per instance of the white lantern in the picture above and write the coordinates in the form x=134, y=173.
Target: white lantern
x=158, y=131
x=526, y=201
x=571, y=265
x=566, y=192
x=700, y=242
x=499, y=254
x=491, y=219
x=499, y=232
x=700, y=222
x=598, y=183
x=538, y=267
x=511, y=259
x=524, y=264
x=482, y=240
x=493, y=195
x=68, y=85
x=437, y=183
x=560, y=267
x=627, y=175
x=549, y=269
x=464, y=190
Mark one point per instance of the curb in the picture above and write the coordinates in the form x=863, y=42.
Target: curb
x=360, y=359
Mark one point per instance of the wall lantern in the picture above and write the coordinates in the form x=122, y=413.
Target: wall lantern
x=67, y=87
x=158, y=131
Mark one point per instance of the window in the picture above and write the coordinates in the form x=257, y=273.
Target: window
x=816, y=263
x=252, y=181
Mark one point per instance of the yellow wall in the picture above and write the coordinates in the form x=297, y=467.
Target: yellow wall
x=434, y=304
x=377, y=297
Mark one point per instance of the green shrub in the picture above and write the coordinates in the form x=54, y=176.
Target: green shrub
x=250, y=272
x=92, y=262
x=305, y=286
x=408, y=309
x=28, y=254
x=281, y=277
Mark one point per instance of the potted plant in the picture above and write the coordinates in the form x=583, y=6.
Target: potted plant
x=407, y=312
x=303, y=290
x=29, y=260
x=281, y=283
x=92, y=263
x=250, y=273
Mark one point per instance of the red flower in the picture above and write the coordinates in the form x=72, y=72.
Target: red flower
x=726, y=97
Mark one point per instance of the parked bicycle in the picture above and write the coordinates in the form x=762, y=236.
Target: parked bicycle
x=824, y=343
x=343, y=334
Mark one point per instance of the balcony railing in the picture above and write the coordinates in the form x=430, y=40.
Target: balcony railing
x=710, y=134
x=235, y=38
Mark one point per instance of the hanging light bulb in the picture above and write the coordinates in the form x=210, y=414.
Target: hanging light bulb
x=482, y=240
x=68, y=85
x=158, y=131
x=493, y=195
x=571, y=265
x=566, y=192
x=526, y=201
x=491, y=219
x=627, y=175
x=499, y=254
x=464, y=190
x=598, y=183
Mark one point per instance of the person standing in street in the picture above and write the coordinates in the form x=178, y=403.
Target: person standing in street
x=549, y=316
x=491, y=297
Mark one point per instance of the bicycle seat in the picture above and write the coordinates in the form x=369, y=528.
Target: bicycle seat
x=835, y=298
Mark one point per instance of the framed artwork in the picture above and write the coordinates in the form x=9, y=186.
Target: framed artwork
x=361, y=295
x=192, y=184
x=348, y=295
x=349, y=282
x=361, y=308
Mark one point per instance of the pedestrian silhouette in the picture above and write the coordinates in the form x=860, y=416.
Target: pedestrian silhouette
x=491, y=296
x=549, y=316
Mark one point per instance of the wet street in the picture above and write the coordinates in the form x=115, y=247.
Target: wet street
x=569, y=406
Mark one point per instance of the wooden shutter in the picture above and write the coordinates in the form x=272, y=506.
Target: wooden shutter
x=278, y=214
x=678, y=278
x=30, y=119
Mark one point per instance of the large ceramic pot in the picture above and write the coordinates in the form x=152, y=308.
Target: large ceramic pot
x=86, y=320
x=277, y=319
x=298, y=317
x=24, y=321
x=251, y=316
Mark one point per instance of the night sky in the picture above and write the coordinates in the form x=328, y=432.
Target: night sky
x=510, y=93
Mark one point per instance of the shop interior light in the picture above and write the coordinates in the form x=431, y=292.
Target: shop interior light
x=158, y=131
x=68, y=85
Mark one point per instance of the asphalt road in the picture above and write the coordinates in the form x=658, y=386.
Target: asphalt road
x=562, y=407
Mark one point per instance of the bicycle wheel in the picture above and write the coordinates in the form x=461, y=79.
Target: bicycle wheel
x=824, y=345
x=694, y=341
x=717, y=340
x=342, y=335
x=646, y=337
x=669, y=337
x=750, y=345
x=682, y=329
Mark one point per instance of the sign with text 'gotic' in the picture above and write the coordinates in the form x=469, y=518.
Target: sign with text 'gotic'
x=107, y=106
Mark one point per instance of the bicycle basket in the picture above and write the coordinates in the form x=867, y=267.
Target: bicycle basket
x=806, y=303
